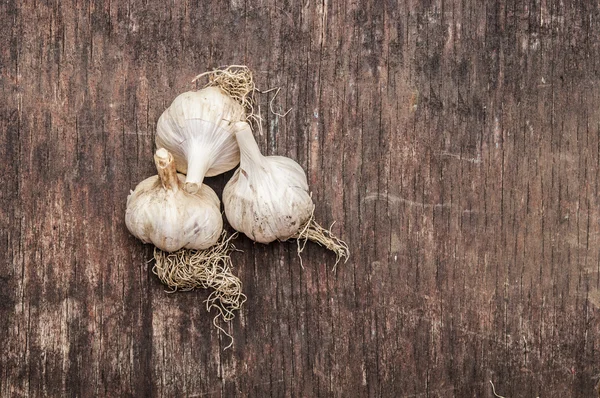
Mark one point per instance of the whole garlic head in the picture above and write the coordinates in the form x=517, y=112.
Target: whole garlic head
x=267, y=198
x=161, y=213
x=198, y=130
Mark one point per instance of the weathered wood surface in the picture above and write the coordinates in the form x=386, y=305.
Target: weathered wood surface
x=456, y=144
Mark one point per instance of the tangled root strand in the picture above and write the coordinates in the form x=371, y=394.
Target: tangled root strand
x=237, y=82
x=188, y=269
x=312, y=231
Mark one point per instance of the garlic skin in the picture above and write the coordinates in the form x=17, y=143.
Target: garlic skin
x=267, y=198
x=160, y=212
x=198, y=129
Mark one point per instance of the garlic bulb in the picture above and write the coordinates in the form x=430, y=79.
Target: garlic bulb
x=198, y=130
x=267, y=198
x=161, y=213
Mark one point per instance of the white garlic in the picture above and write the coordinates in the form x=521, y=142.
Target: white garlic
x=198, y=129
x=267, y=198
x=161, y=213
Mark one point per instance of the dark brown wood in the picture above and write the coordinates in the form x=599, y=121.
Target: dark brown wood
x=456, y=144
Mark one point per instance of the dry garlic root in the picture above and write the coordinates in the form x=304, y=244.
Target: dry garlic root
x=210, y=268
x=268, y=199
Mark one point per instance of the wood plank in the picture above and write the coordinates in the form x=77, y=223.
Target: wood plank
x=455, y=143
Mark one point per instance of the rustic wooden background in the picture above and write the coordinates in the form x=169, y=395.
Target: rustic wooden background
x=456, y=144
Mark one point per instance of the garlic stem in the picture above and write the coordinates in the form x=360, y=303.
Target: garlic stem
x=198, y=165
x=166, y=169
x=249, y=150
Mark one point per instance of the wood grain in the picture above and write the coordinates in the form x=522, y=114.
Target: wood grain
x=456, y=144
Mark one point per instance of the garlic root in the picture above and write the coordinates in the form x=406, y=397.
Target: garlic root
x=237, y=82
x=314, y=232
x=209, y=268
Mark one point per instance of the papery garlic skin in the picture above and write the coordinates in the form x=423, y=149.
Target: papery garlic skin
x=267, y=198
x=160, y=212
x=198, y=129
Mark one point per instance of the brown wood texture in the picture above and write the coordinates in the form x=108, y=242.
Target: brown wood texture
x=456, y=144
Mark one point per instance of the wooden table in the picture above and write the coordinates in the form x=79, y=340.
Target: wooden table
x=456, y=144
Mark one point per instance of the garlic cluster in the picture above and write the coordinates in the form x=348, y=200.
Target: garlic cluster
x=198, y=129
x=160, y=212
x=201, y=134
x=267, y=198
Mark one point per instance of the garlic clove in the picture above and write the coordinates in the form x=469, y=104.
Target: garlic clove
x=161, y=213
x=267, y=198
x=198, y=129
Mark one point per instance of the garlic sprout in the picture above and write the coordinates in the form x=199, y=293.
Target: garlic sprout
x=268, y=199
x=161, y=213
